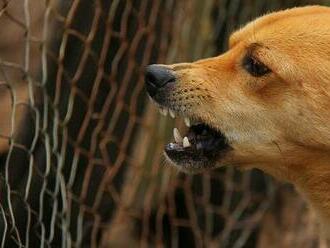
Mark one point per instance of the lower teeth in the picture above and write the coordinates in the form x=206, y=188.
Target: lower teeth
x=186, y=142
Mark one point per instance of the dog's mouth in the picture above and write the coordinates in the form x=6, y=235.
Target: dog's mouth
x=199, y=148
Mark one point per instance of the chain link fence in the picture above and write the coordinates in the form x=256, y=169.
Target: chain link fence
x=81, y=160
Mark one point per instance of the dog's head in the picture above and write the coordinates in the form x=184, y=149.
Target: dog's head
x=265, y=102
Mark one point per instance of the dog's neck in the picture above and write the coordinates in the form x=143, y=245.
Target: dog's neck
x=312, y=178
x=310, y=174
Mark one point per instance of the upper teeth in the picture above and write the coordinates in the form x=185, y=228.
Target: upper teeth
x=172, y=114
x=165, y=111
x=177, y=135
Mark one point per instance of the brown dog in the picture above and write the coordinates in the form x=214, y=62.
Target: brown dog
x=265, y=103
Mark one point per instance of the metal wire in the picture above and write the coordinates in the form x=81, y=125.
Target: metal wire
x=81, y=148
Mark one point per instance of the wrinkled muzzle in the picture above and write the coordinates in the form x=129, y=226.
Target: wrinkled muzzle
x=201, y=146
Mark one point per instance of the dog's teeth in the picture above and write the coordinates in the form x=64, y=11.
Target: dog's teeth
x=172, y=114
x=177, y=135
x=187, y=122
x=186, y=142
x=163, y=111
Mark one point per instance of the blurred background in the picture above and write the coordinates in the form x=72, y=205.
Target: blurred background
x=81, y=160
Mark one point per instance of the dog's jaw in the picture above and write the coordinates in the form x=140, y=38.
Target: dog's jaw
x=278, y=123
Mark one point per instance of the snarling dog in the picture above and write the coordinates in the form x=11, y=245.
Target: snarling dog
x=265, y=103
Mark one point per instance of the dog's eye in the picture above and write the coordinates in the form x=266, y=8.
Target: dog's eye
x=255, y=67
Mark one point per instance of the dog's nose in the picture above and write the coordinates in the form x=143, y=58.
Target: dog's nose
x=156, y=77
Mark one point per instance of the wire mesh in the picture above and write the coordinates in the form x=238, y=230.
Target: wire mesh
x=81, y=148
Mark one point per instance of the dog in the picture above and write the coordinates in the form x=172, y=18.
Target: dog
x=265, y=103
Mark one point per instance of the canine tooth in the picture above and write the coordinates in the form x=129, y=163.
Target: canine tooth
x=177, y=135
x=186, y=142
x=172, y=114
x=163, y=111
x=187, y=122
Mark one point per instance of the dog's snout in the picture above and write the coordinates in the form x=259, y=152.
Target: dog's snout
x=156, y=77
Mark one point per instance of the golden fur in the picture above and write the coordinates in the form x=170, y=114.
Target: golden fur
x=279, y=123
